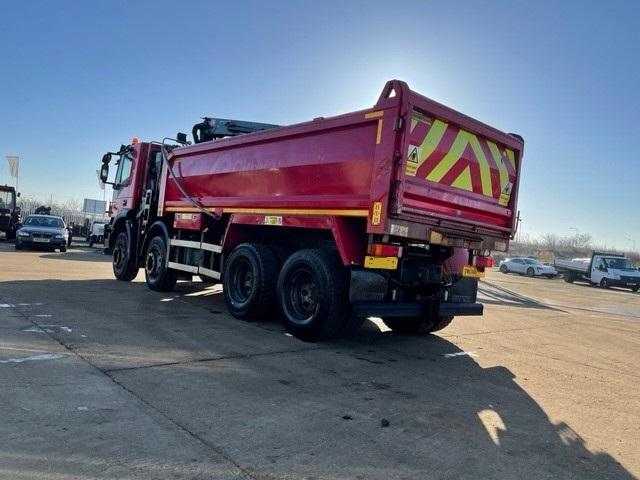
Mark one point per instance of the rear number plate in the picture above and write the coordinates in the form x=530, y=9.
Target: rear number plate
x=469, y=271
x=41, y=240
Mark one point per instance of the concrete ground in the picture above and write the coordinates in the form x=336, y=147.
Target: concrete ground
x=106, y=379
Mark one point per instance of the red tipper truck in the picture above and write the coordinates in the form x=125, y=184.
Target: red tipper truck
x=388, y=212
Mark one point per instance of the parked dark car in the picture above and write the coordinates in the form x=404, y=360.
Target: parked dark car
x=42, y=231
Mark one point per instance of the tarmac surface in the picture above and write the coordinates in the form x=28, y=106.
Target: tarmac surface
x=102, y=379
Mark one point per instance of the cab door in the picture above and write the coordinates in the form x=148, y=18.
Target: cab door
x=124, y=191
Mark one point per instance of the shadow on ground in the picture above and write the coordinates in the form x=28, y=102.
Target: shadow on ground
x=377, y=405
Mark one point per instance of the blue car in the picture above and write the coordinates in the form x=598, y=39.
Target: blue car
x=42, y=231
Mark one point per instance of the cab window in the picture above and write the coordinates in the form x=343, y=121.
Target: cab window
x=124, y=170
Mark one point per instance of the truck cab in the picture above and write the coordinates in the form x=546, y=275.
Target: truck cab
x=10, y=213
x=608, y=270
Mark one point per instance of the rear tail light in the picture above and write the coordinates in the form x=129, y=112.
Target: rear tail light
x=385, y=250
x=483, y=262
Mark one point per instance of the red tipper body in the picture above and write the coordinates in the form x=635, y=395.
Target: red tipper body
x=411, y=166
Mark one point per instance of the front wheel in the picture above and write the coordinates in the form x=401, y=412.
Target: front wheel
x=313, y=295
x=158, y=276
x=63, y=249
x=123, y=267
x=636, y=288
x=604, y=283
x=504, y=269
x=530, y=272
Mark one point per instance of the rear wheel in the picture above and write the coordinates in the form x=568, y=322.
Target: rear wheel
x=636, y=288
x=604, y=283
x=568, y=277
x=250, y=276
x=63, y=249
x=413, y=325
x=312, y=293
x=123, y=266
x=158, y=276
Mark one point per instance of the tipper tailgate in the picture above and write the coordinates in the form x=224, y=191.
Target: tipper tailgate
x=456, y=173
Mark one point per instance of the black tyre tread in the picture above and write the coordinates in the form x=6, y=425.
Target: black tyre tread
x=442, y=322
x=335, y=312
x=264, y=300
x=169, y=277
x=531, y=272
x=416, y=325
x=282, y=253
x=131, y=271
x=63, y=249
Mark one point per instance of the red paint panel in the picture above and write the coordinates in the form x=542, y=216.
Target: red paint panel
x=322, y=169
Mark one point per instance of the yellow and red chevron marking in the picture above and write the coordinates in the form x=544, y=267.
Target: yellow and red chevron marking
x=448, y=155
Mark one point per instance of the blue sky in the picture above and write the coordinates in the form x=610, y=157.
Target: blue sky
x=80, y=78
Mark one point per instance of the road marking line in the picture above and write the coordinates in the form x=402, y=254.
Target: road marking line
x=48, y=329
x=7, y=305
x=44, y=356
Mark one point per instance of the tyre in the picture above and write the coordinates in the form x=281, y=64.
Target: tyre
x=156, y=273
x=313, y=295
x=568, y=277
x=91, y=242
x=504, y=269
x=11, y=235
x=63, y=249
x=530, y=272
x=18, y=247
x=604, y=283
x=123, y=267
x=250, y=276
x=413, y=325
x=551, y=276
x=636, y=288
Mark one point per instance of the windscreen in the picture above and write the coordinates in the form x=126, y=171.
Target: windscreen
x=619, y=263
x=7, y=199
x=49, y=222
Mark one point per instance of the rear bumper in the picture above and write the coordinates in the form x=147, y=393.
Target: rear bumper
x=414, y=309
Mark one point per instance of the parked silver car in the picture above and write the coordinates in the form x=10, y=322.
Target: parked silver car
x=527, y=266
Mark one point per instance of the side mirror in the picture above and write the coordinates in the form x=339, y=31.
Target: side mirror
x=104, y=170
x=106, y=158
x=18, y=194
